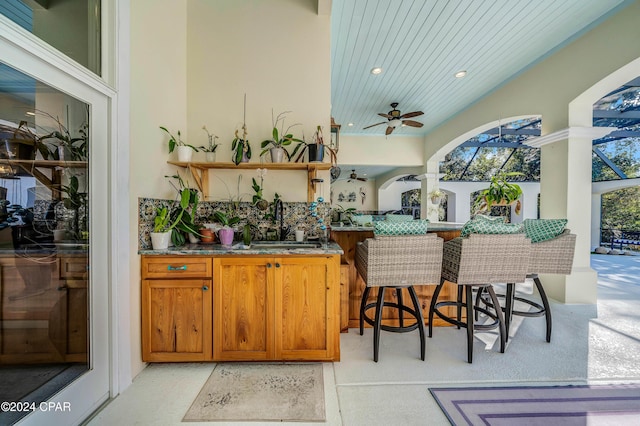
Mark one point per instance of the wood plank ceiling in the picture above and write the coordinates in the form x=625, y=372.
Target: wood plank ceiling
x=421, y=44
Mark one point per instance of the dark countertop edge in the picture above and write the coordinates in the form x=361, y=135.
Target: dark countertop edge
x=217, y=249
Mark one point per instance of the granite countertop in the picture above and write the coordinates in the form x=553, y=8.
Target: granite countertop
x=433, y=226
x=238, y=248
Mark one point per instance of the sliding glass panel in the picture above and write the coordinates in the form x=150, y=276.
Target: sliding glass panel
x=44, y=240
x=71, y=26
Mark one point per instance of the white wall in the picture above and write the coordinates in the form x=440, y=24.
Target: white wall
x=380, y=150
x=277, y=52
x=345, y=187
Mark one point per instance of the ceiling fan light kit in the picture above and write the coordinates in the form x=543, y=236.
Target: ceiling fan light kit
x=395, y=118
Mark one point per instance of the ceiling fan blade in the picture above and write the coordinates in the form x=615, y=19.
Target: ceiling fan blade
x=411, y=114
x=377, y=124
x=362, y=179
x=389, y=130
x=385, y=115
x=412, y=123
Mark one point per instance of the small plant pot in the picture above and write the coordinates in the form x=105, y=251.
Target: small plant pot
x=160, y=240
x=316, y=152
x=206, y=235
x=226, y=236
x=277, y=155
x=435, y=200
x=184, y=154
x=210, y=157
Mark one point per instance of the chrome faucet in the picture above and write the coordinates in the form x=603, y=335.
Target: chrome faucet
x=279, y=217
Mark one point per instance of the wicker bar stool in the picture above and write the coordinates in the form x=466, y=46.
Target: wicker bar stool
x=554, y=256
x=397, y=262
x=479, y=261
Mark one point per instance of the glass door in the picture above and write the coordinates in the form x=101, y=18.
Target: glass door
x=54, y=240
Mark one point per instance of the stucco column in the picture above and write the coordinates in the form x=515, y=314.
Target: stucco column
x=565, y=187
x=596, y=218
x=428, y=182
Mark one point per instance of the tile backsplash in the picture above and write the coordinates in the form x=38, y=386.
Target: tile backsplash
x=296, y=216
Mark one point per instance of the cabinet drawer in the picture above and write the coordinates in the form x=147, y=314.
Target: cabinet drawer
x=176, y=267
x=73, y=267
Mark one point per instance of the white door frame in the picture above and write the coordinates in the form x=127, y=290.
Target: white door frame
x=25, y=52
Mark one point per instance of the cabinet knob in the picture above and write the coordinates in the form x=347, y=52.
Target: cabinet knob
x=277, y=265
x=177, y=268
x=268, y=265
x=205, y=287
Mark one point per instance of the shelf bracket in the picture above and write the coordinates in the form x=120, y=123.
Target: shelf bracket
x=201, y=176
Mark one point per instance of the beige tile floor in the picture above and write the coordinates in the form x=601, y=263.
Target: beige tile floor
x=590, y=344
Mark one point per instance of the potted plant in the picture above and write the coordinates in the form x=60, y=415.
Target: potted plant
x=227, y=220
x=162, y=227
x=279, y=139
x=500, y=193
x=241, y=147
x=210, y=150
x=185, y=151
x=179, y=220
x=316, y=149
x=435, y=195
x=258, y=201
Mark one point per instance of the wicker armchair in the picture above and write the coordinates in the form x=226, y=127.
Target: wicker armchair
x=478, y=261
x=397, y=262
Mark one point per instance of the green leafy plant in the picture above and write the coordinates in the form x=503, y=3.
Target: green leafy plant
x=180, y=220
x=280, y=138
x=500, y=192
x=176, y=141
x=225, y=219
x=318, y=139
x=240, y=146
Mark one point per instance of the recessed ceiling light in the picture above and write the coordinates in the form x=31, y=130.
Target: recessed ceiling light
x=376, y=70
x=460, y=74
x=350, y=124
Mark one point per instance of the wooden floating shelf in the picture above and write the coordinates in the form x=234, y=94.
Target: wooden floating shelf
x=198, y=170
x=44, y=163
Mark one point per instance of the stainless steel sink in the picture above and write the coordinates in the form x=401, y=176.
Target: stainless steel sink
x=284, y=245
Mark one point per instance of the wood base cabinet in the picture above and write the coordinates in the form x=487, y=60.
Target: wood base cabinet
x=276, y=308
x=176, y=308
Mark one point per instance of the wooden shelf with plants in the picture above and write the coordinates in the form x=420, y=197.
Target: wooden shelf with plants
x=53, y=183
x=199, y=169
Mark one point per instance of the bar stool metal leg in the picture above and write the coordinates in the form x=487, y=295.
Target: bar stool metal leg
x=418, y=313
x=469, y=310
x=545, y=303
x=378, y=323
x=363, y=302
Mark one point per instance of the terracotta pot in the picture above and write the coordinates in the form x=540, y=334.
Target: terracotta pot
x=206, y=235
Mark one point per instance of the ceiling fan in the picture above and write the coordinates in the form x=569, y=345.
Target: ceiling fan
x=395, y=118
x=354, y=176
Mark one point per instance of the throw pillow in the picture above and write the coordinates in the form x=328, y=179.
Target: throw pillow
x=398, y=217
x=543, y=229
x=500, y=219
x=490, y=227
x=414, y=227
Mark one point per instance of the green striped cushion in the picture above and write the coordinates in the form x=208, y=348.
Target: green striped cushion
x=482, y=226
x=414, y=227
x=398, y=217
x=543, y=229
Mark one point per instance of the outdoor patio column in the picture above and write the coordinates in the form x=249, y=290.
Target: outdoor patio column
x=596, y=217
x=565, y=190
x=428, y=182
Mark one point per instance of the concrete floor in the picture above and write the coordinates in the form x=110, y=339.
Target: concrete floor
x=590, y=344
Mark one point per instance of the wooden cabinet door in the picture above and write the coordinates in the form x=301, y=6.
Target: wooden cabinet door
x=307, y=308
x=243, y=309
x=176, y=320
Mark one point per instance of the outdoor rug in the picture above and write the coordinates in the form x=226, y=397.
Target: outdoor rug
x=261, y=392
x=541, y=405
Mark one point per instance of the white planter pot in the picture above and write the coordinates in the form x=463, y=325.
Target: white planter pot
x=277, y=155
x=184, y=154
x=160, y=240
x=210, y=157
